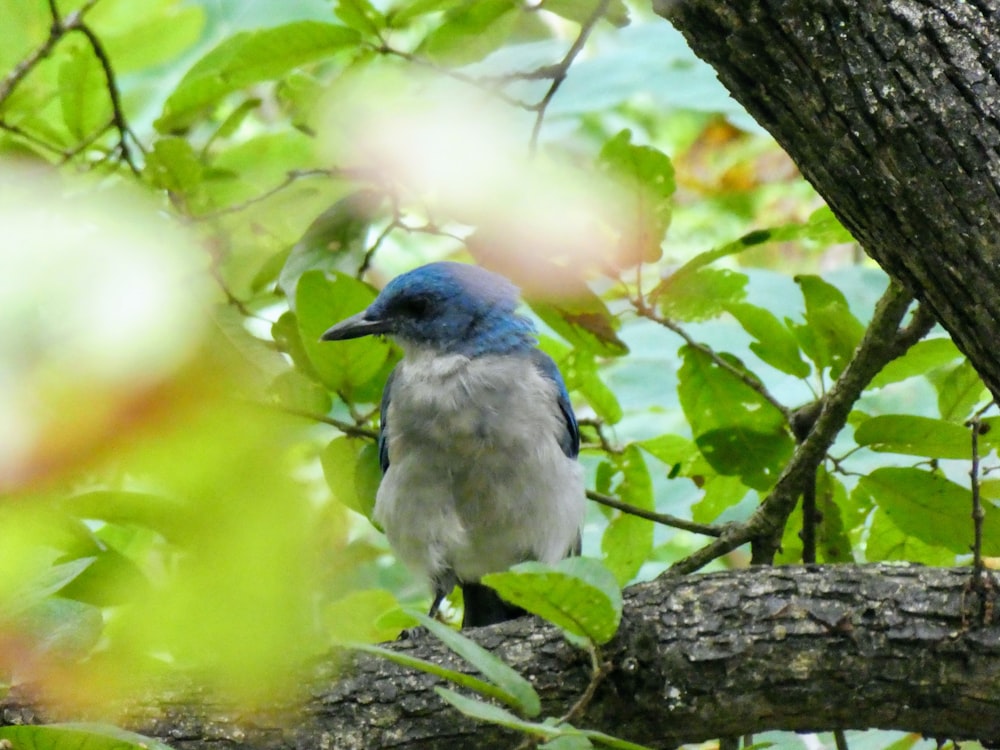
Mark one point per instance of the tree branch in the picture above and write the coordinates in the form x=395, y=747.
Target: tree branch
x=697, y=657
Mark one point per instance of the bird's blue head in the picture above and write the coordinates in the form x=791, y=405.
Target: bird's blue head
x=449, y=307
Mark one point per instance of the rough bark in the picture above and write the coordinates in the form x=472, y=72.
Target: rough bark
x=892, y=111
x=801, y=649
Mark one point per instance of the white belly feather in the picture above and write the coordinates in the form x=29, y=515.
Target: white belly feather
x=477, y=480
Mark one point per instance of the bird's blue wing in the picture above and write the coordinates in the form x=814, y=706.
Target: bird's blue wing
x=383, y=441
x=569, y=440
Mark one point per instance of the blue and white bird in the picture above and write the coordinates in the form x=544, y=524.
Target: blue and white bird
x=478, y=441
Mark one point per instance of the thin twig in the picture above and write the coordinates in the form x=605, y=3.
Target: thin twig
x=351, y=430
x=745, y=377
x=662, y=518
x=603, y=443
x=118, y=114
x=57, y=31
x=561, y=70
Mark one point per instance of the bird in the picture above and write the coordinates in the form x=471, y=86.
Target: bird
x=478, y=441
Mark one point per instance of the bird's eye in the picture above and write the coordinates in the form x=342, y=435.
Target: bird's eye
x=414, y=307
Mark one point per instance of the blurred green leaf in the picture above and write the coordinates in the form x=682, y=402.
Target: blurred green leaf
x=647, y=179
x=628, y=540
x=246, y=58
x=342, y=366
x=339, y=231
x=77, y=737
x=580, y=11
x=158, y=35
x=470, y=31
x=172, y=165
x=519, y=691
x=914, y=436
x=775, y=343
x=737, y=430
x=83, y=93
x=47, y=582
x=349, y=470
x=701, y=294
x=357, y=617
x=929, y=507
x=831, y=332
x=61, y=628
x=919, y=359
x=577, y=594
x=360, y=15
x=404, y=12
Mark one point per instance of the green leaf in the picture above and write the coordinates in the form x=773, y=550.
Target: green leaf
x=405, y=12
x=172, y=165
x=703, y=294
x=670, y=449
x=919, y=359
x=158, y=35
x=348, y=470
x=481, y=711
x=585, y=322
x=360, y=15
x=582, y=374
x=721, y=493
x=885, y=541
x=577, y=594
x=459, y=678
x=246, y=58
x=339, y=231
x=775, y=343
x=831, y=332
x=77, y=736
x=959, y=390
x=646, y=176
x=929, y=507
x=737, y=430
x=914, y=436
x=580, y=11
x=471, y=31
x=627, y=542
x=519, y=691
x=342, y=366
x=83, y=93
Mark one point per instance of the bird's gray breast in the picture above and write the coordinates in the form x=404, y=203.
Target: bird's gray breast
x=467, y=407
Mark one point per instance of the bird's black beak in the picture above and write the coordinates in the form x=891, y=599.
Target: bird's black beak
x=355, y=327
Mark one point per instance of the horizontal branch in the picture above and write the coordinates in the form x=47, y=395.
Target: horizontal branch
x=799, y=649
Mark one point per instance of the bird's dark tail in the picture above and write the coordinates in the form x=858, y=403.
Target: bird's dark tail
x=483, y=606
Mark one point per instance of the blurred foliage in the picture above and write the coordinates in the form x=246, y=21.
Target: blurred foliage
x=193, y=193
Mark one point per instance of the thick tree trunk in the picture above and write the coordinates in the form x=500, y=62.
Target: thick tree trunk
x=697, y=657
x=892, y=111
